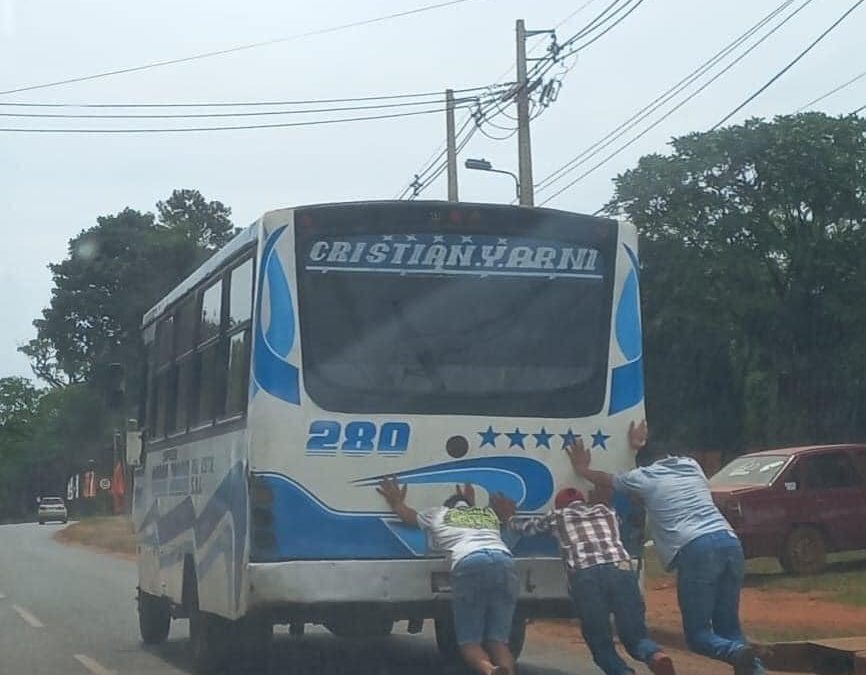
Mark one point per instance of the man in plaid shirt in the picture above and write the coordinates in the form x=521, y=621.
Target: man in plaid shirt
x=601, y=578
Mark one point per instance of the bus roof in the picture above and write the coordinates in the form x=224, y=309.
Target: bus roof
x=249, y=235
x=211, y=265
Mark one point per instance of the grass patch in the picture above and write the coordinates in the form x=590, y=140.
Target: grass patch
x=844, y=580
x=108, y=533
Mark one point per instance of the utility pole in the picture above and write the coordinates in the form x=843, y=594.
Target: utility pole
x=451, y=153
x=524, y=145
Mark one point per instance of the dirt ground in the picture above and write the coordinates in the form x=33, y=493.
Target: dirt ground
x=110, y=534
x=772, y=615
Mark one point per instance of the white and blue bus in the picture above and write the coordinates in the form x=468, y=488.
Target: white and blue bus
x=328, y=346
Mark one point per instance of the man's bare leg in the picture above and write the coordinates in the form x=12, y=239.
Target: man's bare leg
x=477, y=659
x=502, y=656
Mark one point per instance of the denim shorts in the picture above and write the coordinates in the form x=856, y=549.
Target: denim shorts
x=485, y=588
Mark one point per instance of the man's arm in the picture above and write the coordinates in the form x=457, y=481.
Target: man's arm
x=580, y=459
x=395, y=495
x=529, y=525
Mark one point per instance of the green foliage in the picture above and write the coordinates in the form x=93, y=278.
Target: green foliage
x=113, y=273
x=754, y=259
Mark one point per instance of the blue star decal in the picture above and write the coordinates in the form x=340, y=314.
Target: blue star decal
x=569, y=437
x=488, y=437
x=516, y=438
x=599, y=440
x=542, y=438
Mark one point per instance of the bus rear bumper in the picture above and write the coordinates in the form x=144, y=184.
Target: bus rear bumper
x=401, y=589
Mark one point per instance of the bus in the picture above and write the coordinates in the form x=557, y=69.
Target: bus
x=328, y=346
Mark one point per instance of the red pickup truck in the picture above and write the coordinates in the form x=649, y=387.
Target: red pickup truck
x=796, y=504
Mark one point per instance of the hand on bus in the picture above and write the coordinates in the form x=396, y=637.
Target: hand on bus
x=392, y=491
x=503, y=506
x=637, y=435
x=467, y=492
x=578, y=455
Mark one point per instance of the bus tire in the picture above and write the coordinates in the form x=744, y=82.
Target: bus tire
x=154, y=618
x=446, y=637
x=209, y=641
x=252, y=638
x=210, y=636
x=804, y=551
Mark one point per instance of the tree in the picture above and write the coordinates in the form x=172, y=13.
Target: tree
x=19, y=401
x=114, y=273
x=754, y=258
x=205, y=226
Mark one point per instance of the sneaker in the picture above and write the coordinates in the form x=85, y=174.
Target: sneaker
x=744, y=661
x=661, y=664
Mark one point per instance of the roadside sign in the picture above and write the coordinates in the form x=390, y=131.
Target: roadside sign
x=104, y=483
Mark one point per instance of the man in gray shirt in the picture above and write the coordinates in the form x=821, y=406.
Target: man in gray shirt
x=692, y=537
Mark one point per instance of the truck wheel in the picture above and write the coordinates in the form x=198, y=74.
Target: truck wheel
x=154, y=618
x=804, y=551
x=446, y=638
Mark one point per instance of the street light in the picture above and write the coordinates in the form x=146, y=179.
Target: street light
x=484, y=165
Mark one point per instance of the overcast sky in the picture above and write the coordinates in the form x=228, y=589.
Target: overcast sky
x=53, y=186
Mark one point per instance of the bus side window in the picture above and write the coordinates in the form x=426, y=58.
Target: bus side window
x=207, y=362
x=184, y=329
x=163, y=380
x=239, y=313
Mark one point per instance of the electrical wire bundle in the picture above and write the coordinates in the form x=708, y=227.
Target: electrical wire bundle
x=491, y=117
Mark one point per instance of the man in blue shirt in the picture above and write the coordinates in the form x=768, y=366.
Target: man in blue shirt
x=691, y=536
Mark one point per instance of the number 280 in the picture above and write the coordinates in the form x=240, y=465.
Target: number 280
x=357, y=438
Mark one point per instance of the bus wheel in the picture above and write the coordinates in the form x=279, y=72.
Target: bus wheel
x=154, y=618
x=209, y=641
x=252, y=640
x=446, y=638
x=518, y=636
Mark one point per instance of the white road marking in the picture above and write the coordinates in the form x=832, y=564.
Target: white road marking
x=28, y=617
x=93, y=665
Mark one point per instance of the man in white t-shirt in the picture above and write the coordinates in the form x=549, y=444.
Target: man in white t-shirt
x=483, y=579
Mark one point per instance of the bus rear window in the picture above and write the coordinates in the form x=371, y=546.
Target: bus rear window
x=429, y=321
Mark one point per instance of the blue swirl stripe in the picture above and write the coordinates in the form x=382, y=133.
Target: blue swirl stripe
x=271, y=372
x=525, y=480
x=626, y=385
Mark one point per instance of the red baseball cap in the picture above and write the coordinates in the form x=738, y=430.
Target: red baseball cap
x=567, y=495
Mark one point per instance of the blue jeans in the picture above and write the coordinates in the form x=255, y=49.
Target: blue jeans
x=597, y=592
x=485, y=588
x=710, y=572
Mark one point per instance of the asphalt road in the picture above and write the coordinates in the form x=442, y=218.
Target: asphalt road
x=69, y=611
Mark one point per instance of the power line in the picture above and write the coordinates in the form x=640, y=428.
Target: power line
x=210, y=115
x=609, y=13
x=243, y=104
x=670, y=112
x=675, y=90
x=238, y=48
x=239, y=127
x=832, y=91
x=788, y=67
